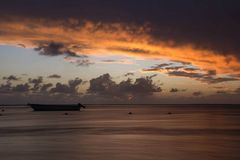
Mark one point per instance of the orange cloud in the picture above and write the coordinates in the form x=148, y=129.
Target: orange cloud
x=100, y=39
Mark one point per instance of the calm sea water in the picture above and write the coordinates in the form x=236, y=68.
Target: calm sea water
x=110, y=133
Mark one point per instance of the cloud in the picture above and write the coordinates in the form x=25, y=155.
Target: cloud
x=70, y=88
x=222, y=92
x=36, y=86
x=21, y=88
x=35, y=91
x=54, y=49
x=152, y=76
x=212, y=72
x=11, y=78
x=158, y=67
x=58, y=49
x=54, y=76
x=83, y=61
x=74, y=37
x=189, y=71
x=112, y=61
x=129, y=50
x=36, y=83
x=109, y=61
x=175, y=90
x=197, y=93
x=185, y=74
x=104, y=85
x=45, y=87
x=172, y=66
x=5, y=88
x=129, y=74
x=208, y=78
x=104, y=89
x=180, y=23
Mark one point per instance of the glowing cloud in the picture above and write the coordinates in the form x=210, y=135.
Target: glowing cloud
x=77, y=38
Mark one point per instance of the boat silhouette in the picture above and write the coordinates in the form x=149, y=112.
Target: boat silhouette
x=56, y=107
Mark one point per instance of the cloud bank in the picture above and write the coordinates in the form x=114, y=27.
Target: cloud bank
x=103, y=89
x=203, y=33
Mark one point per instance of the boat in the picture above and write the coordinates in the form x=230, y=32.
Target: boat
x=56, y=107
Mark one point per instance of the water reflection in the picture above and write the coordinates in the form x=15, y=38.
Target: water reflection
x=109, y=132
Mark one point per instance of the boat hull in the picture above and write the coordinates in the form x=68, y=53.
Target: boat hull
x=55, y=107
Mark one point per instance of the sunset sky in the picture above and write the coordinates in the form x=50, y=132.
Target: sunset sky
x=119, y=51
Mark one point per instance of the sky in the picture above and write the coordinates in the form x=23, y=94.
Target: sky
x=119, y=51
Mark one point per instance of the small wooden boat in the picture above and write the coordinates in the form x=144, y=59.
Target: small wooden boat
x=56, y=107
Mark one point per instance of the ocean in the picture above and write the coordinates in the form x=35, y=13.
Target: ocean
x=109, y=132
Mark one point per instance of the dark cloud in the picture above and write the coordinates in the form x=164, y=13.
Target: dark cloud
x=129, y=74
x=212, y=72
x=182, y=62
x=45, y=87
x=208, y=77
x=102, y=84
x=197, y=93
x=173, y=68
x=191, y=69
x=36, y=83
x=187, y=70
x=70, y=88
x=218, y=87
x=152, y=76
x=109, y=60
x=5, y=88
x=55, y=49
x=144, y=86
x=113, y=61
x=74, y=83
x=104, y=89
x=21, y=88
x=106, y=86
x=54, y=76
x=61, y=88
x=174, y=65
x=206, y=24
x=185, y=74
x=36, y=86
x=79, y=61
x=11, y=78
x=158, y=67
x=174, y=90
x=83, y=62
x=131, y=50
x=221, y=92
